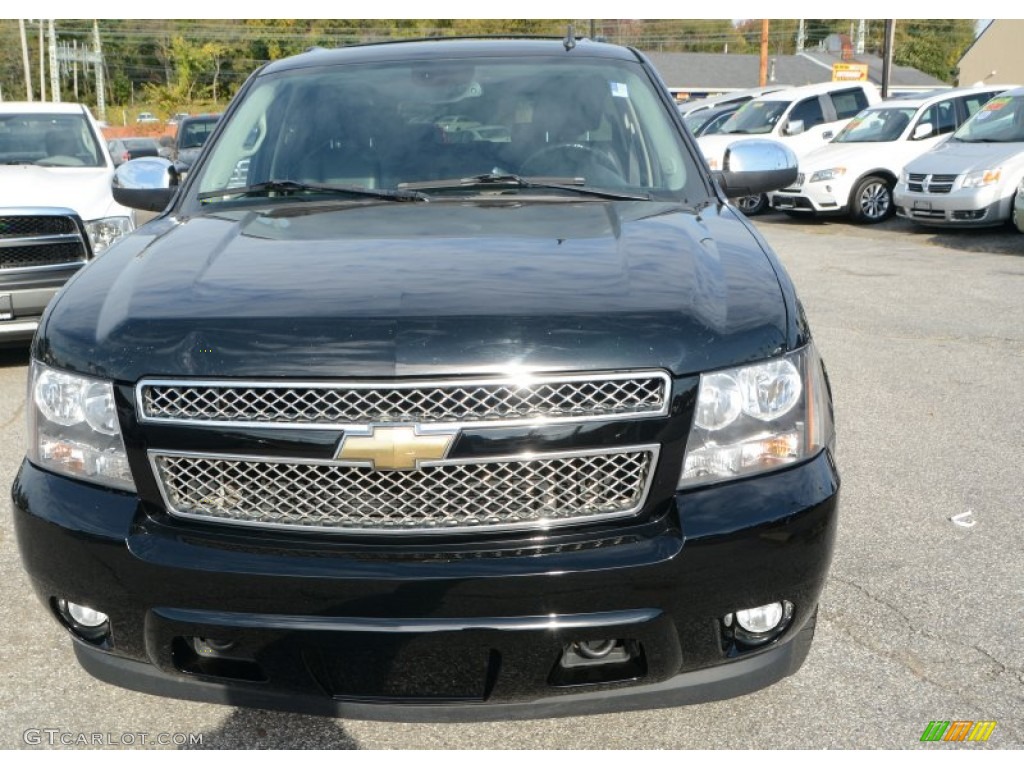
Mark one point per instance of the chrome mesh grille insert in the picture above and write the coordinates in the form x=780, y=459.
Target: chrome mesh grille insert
x=540, y=398
x=482, y=494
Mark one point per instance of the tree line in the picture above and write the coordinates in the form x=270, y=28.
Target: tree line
x=174, y=63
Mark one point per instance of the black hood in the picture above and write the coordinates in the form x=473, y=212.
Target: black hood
x=404, y=289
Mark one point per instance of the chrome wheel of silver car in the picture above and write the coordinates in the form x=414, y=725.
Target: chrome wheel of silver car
x=872, y=201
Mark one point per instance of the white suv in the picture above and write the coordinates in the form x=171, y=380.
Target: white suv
x=855, y=173
x=802, y=118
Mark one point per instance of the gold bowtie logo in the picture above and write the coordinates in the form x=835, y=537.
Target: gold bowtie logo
x=391, y=448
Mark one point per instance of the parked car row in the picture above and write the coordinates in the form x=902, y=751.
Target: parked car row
x=802, y=118
x=947, y=157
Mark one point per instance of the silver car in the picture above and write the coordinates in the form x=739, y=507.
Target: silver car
x=971, y=179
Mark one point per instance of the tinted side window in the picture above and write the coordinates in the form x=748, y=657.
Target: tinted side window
x=808, y=110
x=974, y=102
x=942, y=116
x=849, y=103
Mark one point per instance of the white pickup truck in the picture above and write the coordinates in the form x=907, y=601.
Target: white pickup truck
x=56, y=207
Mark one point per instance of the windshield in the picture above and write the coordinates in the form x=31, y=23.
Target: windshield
x=877, y=125
x=387, y=125
x=56, y=140
x=195, y=132
x=755, y=117
x=1000, y=120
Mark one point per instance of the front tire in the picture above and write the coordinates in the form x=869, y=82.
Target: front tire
x=871, y=201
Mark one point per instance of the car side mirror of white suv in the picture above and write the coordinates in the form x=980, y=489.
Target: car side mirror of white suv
x=922, y=131
x=793, y=127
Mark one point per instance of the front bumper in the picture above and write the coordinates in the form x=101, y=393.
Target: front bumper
x=977, y=207
x=435, y=631
x=823, y=197
x=24, y=295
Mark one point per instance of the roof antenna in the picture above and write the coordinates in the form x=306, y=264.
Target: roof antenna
x=570, y=39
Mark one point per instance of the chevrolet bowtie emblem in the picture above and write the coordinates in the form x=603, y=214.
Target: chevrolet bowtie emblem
x=394, y=447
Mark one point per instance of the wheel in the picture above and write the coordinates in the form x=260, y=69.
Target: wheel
x=871, y=201
x=752, y=205
x=558, y=159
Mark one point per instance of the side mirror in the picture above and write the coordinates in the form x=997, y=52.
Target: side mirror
x=147, y=183
x=755, y=166
x=922, y=131
x=793, y=127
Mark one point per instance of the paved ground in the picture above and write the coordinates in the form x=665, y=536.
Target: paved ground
x=923, y=334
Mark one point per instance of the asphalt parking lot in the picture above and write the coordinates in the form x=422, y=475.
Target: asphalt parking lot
x=923, y=335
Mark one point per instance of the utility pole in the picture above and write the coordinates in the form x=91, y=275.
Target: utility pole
x=890, y=38
x=54, y=69
x=42, y=64
x=24, y=60
x=800, y=37
x=101, y=90
x=762, y=76
x=858, y=47
x=74, y=69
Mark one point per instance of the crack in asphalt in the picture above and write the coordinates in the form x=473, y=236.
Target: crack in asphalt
x=18, y=414
x=919, y=669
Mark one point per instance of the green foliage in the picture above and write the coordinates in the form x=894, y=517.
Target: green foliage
x=185, y=61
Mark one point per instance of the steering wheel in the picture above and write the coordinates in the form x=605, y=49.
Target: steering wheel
x=588, y=154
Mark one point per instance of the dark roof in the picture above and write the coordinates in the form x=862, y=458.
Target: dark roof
x=740, y=70
x=440, y=47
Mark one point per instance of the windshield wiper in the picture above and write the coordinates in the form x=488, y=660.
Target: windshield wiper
x=574, y=184
x=289, y=186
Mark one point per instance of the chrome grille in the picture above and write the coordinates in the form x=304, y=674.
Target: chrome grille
x=531, y=491
x=540, y=398
x=935, y=183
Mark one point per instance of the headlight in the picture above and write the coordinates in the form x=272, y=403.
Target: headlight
x=757, y=418
x=73, y=428
x=103, y=233
x=981, y=178
x=827, y=175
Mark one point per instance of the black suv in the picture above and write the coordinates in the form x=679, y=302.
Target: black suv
x=448, y=385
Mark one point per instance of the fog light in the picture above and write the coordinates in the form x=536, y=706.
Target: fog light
x=753, y=627
x=83, y=615
x=86, y=622
x=764, y=618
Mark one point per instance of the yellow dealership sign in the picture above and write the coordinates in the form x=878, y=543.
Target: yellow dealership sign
x=843, y=71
